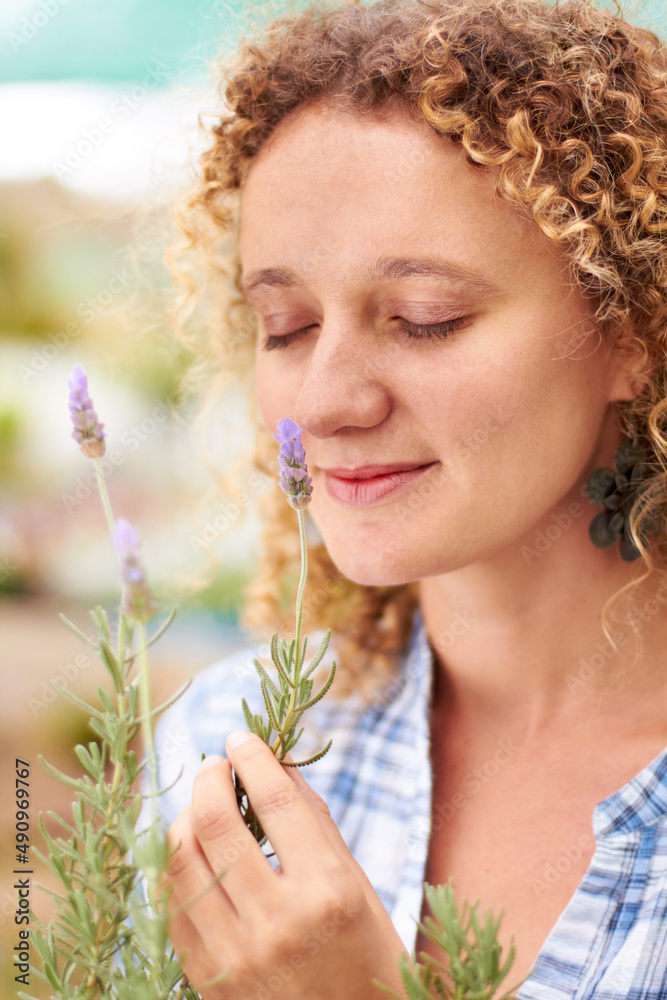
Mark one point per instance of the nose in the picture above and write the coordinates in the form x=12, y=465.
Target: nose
x=344, y=382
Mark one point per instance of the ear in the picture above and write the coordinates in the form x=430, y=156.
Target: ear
x=628, y=359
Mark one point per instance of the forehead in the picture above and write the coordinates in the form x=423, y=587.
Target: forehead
x=361, y=188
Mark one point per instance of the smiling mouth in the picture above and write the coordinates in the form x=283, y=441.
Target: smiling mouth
x=369, y=489
x=371, y=471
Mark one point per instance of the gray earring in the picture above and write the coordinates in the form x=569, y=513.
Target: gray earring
x=616, y=490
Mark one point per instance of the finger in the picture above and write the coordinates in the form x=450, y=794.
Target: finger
x=333, y=834
x=183, y=934
x=194, y=957
x=186, y=940
x=192, y=883
x=294, y=830
x=228, y=845
x=318, y=806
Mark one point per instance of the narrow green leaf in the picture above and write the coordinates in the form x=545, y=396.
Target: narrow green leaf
x=76, y=700
x=315, y=662
x=112, y=666
x=59, y=775
x=263, y=676
x=269, y=706
x=100, y=623
x=262, y=731
x=162, y=628
x=173, y=699
x=284, y=661
x=87, y=761
x=311, y=760
x=107, y=702
x=305, y=689
x=247, y=715
x=77, y=631
x=293, y=740
x=274, y=646
x=282, y=665
x=322, y=692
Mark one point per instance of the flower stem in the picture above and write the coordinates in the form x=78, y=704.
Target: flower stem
x=147, y=722
x=278, y=743
x=299, y=596
x=105, y=497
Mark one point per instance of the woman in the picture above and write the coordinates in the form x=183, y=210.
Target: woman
x=445, y=231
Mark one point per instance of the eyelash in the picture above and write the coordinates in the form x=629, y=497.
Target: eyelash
x=428, y=331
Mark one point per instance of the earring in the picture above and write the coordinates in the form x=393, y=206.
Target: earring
x=617, y=490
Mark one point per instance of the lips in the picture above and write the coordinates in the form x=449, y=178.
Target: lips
x=369, y=471
x=365, y=485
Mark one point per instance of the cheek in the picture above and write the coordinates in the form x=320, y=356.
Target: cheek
x=274, y=390
x=512, y=418
x=262, y=394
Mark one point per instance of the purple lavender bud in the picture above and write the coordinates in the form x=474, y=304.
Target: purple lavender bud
x=138, y=601
x=294, y=479
x=88, y=431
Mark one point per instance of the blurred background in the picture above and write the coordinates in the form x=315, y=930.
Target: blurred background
x=99, y=106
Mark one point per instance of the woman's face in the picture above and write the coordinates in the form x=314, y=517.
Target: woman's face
x=359, y=239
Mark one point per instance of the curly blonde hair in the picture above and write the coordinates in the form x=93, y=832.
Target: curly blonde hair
x=567, y=101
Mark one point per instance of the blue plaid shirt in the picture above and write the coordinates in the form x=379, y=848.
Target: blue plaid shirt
x=609, y=943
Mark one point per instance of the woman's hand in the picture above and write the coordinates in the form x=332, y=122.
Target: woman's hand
x=314, y=930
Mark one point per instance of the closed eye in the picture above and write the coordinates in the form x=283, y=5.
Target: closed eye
x=272, y=341
x=429, y=331
x=426, y=331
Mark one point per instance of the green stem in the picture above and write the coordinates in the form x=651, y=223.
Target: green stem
x=299, y=596
x=147, y=722
x=106, y=503
x=105, y=497
x=299, y=614
x=149, y=752
x=100, y=918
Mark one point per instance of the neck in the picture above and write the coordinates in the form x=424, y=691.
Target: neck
x=518, y=638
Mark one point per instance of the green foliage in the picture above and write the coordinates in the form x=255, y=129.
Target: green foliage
x=109, y=936
x=224, y=593
x=472, y=968
x=11, y=432
x=286, y=702
x=106, y=939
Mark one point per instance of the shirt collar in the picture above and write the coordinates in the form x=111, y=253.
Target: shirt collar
x=414, y=682
x=641, y=802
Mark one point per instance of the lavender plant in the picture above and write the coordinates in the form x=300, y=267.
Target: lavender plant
x=472, y=967
x=286, y=702
x=108, y=937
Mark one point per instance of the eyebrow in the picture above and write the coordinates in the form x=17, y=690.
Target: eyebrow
x=386, y=268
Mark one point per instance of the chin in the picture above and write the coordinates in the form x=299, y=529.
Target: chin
x=374, y=570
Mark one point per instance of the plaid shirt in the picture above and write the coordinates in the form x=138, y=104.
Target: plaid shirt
x=609, y=943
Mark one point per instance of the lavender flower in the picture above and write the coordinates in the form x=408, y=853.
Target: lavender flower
x=138, y=601
x=294, y=479
x=88, y=431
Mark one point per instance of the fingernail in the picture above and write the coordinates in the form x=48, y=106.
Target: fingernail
x=237, y=737
x=211, y=759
